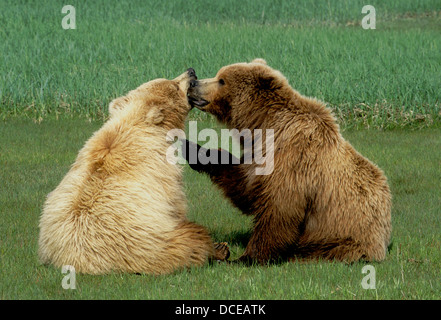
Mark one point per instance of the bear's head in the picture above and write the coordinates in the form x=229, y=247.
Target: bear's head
x=238, y=92
x=158, y=102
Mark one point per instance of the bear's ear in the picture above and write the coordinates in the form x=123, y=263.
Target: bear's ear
x=259, y=60
x=266, y=82
x=155, y=116
x=117, y=105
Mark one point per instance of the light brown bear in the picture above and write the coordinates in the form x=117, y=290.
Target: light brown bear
x=121, y=207
x=322, y=200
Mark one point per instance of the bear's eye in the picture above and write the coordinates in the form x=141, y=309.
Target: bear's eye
x=221, y=82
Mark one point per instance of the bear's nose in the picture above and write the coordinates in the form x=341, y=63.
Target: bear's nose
x=191, y=73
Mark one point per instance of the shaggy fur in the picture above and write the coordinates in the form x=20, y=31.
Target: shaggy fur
x=323, y=199
x=121, y=207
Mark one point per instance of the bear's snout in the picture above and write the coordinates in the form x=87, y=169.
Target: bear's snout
x=194, y=96
x=192, y=73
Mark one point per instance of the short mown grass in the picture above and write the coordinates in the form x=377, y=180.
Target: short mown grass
x=35, y=157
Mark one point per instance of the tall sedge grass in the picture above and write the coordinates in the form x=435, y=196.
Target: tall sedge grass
x=321, y=48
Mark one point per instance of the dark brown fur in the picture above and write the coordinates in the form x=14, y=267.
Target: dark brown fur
x=323, y=199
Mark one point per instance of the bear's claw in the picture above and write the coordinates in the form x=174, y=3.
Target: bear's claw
x=221, y=251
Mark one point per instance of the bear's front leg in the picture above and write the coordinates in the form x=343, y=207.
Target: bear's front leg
x=200, y=159
x=227, y=174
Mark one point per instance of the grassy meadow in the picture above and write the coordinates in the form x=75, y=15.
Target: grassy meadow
x=383, y=85
x=37, y=157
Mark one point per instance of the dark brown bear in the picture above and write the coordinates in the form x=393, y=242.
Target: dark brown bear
x=322, y=199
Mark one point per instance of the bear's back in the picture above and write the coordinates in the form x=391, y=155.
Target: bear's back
x=120, y=193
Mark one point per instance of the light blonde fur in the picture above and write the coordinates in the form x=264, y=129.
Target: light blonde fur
x=121, y=207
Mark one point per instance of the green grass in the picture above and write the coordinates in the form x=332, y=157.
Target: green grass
x=383, y=78
x=35, y=157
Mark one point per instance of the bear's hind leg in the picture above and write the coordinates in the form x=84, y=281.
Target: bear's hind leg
x=191, y=245
x=353, y=251
x=271, y=239
x=345, y=250
x=221, y=251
